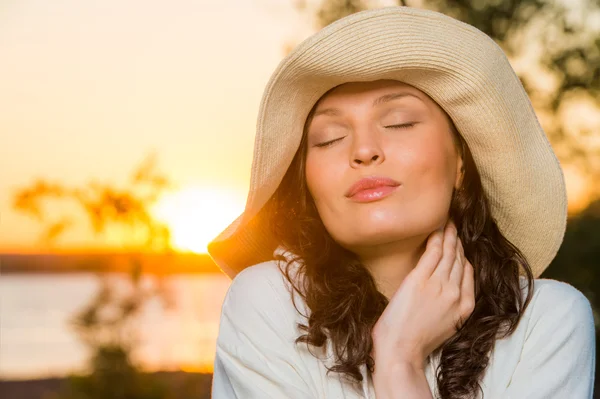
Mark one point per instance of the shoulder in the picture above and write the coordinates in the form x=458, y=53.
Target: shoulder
x=551, y=297
x=558, y=309
x=258, y=275
x=262, y=281
x=255, y=284
x=260, y=291
x=556, y=327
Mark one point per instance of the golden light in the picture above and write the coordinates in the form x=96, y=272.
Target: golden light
x=196, y=215
x=578, y=189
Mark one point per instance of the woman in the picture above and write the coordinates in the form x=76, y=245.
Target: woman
x=403, y=202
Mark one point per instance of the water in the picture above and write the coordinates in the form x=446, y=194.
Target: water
x=37, y=341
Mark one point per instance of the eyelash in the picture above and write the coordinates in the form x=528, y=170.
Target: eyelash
x=401, y=126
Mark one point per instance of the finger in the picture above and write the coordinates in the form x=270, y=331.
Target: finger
x=432, y=255
x=468, y=287
x=449, y=253
x=458, y=267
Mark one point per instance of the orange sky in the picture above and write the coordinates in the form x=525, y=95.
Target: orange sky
x=88, y=89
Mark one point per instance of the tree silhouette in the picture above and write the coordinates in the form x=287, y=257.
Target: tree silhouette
x=103, y=206
x=108, y=324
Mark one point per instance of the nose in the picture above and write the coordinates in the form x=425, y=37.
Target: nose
x=366, y=150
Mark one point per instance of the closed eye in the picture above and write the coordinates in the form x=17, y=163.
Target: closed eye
x=328, y=143
x=402, y=126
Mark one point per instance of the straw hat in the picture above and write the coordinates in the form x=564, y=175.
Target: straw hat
x=463, y=70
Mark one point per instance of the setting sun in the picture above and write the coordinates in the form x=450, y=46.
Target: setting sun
x=197, y=215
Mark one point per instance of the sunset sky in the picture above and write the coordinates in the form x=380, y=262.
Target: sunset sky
x=89, y=88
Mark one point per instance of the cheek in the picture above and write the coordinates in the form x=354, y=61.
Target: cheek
x=432, y=170
x=320, y=173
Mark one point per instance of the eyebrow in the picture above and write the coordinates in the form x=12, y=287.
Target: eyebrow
x=378, y=101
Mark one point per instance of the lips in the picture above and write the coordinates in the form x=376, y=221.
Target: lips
x=371, y=182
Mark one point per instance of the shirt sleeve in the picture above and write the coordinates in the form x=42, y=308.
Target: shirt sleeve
x=558, y=358
x=256, y=355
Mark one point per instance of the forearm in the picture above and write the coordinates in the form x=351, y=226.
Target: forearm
x=401, y=380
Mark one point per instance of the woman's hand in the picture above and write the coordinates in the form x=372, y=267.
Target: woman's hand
x=432, y=302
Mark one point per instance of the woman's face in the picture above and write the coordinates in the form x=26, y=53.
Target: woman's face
x=381, y=129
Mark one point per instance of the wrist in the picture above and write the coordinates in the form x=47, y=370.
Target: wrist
x=399, y=365
x=400, y=379
x=394, y=359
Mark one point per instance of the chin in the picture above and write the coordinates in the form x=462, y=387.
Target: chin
x=365, y=234
x=382, y=226
x=374, y=237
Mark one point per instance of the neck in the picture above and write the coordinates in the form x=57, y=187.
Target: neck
x=390, y=263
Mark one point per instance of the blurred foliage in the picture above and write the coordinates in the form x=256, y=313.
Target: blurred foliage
x=103, y=205
x=558, y=39
x=108, y=325
x=113, y=376
x=578, y=259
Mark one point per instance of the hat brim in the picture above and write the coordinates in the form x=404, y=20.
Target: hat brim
x=461, y=69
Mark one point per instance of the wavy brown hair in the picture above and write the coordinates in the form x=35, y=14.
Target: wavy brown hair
x=344, y=301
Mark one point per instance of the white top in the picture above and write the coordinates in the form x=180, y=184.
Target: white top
x=552, y=353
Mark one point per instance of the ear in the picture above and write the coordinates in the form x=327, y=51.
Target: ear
x=460, y=171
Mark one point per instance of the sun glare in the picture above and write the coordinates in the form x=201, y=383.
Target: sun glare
x=196, y=215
